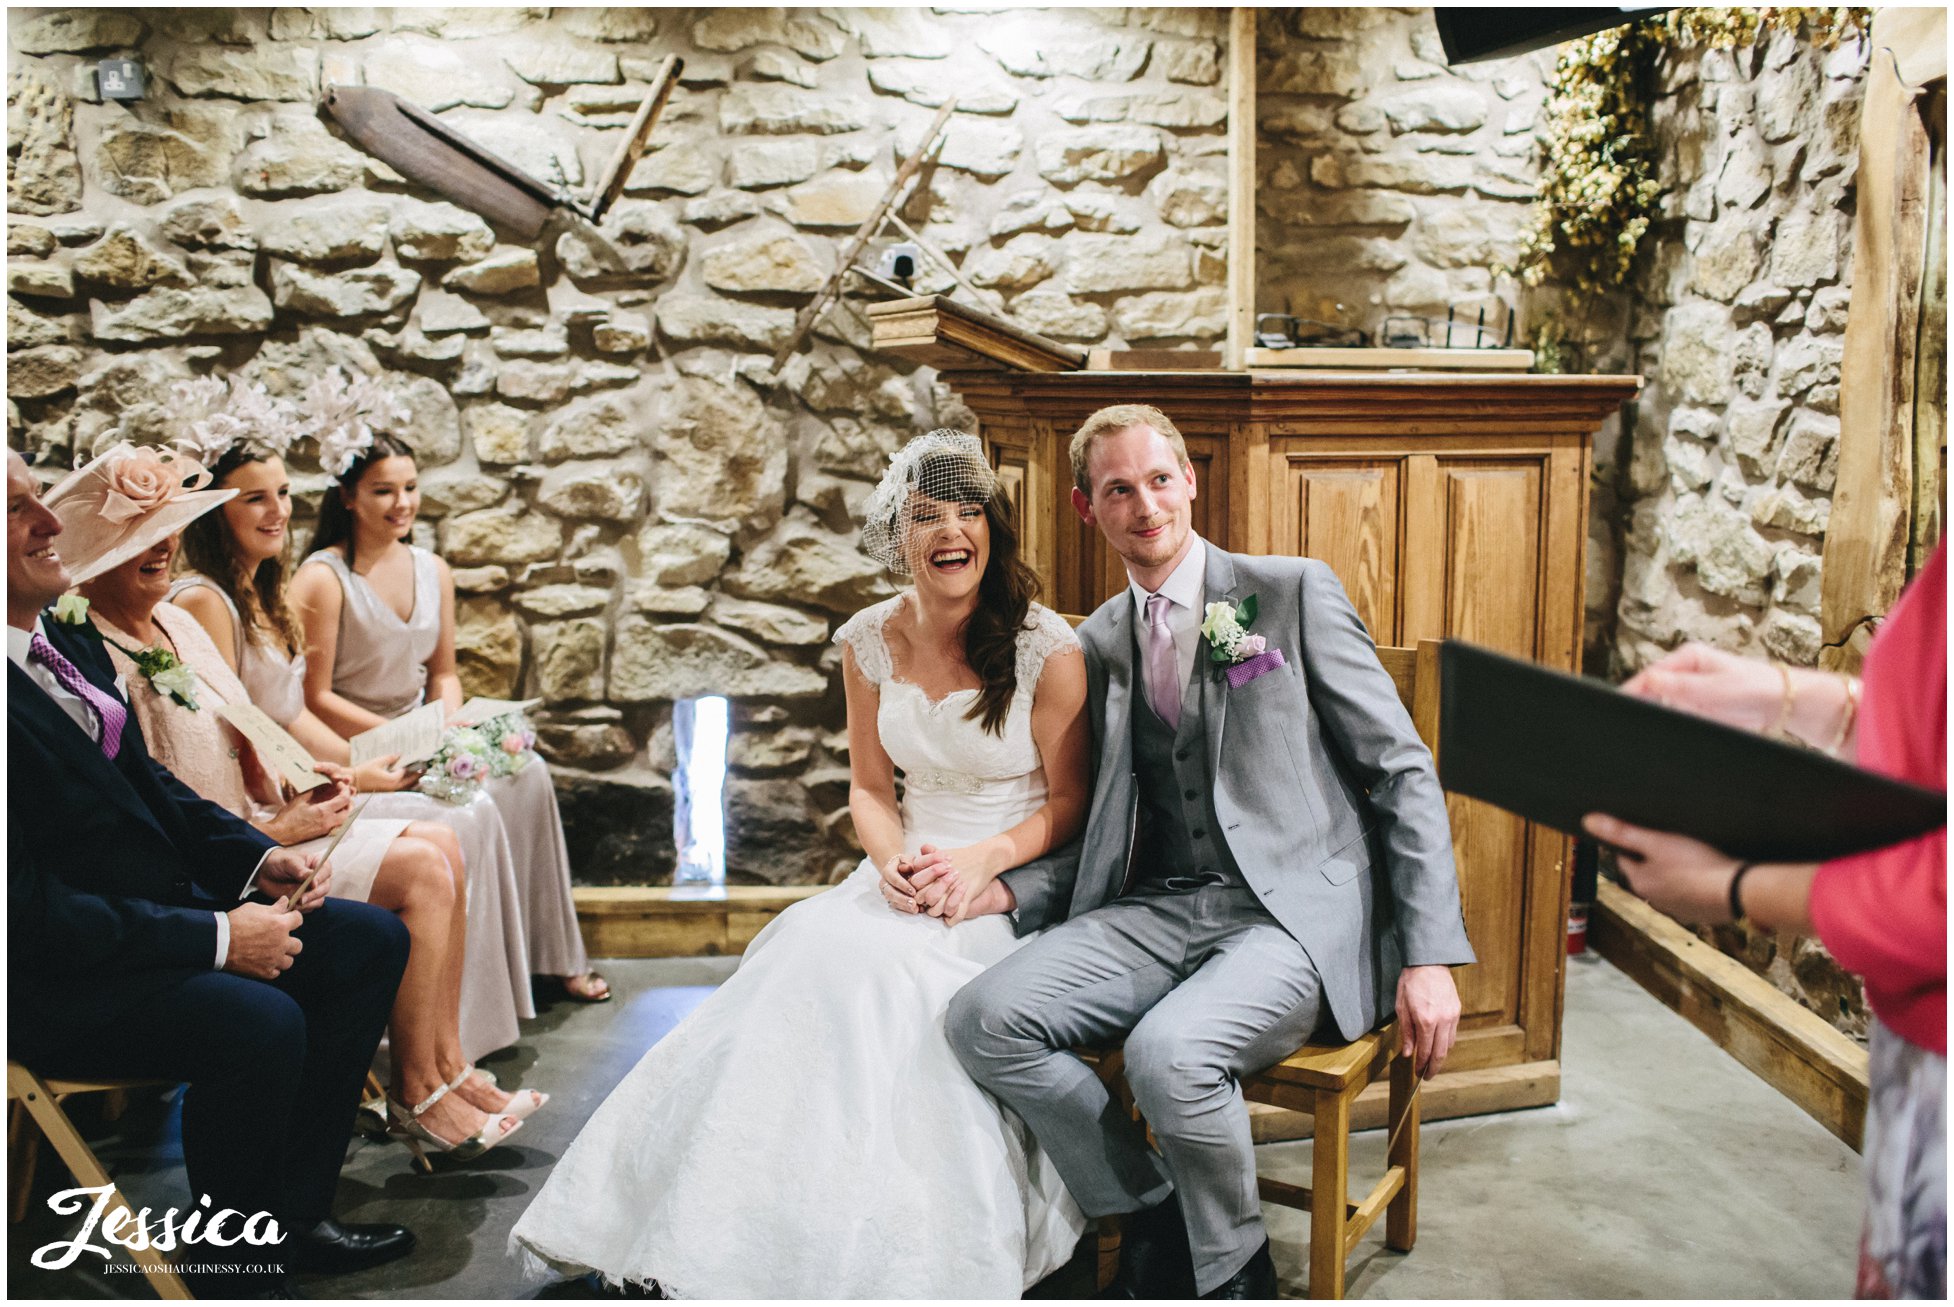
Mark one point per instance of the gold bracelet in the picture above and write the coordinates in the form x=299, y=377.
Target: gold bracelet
x=1847, y=719
x=1784, y=705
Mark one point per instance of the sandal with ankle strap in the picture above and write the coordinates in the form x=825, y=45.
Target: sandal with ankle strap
x=407, y=1124
x=522, y=1102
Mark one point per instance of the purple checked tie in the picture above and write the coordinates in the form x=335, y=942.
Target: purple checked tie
x=111, y=713
x=1163, y=668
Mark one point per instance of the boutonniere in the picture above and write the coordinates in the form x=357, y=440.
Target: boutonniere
x=1244, y=656
x=72, y=610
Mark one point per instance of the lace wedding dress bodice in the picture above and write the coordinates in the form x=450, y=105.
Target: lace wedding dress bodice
x=960, y=783
x=699, y=1174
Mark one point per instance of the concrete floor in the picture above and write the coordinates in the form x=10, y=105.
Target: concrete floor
x=1666, y=1171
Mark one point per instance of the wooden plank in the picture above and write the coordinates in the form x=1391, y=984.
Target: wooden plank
x=1151, y=360
x=925, y=326
x=1918, y=40
x=642, y=124
x=1791, y=1049
x=1241, y=185
x=658, y=921
x=1930, y=363
x=1380, y=356
x=1446, y=1096
x=1865, y=555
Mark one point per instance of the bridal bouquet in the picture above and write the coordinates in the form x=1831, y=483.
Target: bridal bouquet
x=471, y=755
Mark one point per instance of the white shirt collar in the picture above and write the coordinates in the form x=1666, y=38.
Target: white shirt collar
x=19, y=640
x=1183, y=585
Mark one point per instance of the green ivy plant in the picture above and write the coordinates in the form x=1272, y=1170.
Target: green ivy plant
x=1598, y=187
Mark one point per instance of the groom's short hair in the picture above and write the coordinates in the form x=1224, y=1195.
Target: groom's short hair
x=1115, y=418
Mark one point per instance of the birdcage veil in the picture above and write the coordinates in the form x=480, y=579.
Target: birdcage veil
x=945, y=466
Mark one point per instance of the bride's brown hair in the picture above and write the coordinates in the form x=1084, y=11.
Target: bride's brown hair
x=1004, y=599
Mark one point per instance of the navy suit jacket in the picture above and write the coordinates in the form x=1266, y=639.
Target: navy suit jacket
x=116, y=867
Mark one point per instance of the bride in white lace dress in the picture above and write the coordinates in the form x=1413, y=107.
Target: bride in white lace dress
x=807, y=1131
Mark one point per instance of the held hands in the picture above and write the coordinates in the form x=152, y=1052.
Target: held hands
x=1428, y=1017
x=284, y=870
x=950, y=884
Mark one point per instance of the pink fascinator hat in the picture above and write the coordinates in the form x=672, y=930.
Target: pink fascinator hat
x=124, y=501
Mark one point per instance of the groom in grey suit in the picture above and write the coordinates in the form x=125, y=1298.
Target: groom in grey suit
x=1263, y=861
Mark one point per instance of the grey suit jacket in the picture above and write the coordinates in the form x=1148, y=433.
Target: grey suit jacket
x=1327, y=798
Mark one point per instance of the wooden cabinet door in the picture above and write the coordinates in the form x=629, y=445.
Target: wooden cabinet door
x=1344, y=510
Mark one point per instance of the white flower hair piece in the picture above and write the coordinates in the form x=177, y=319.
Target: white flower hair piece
x=945, y=466
x=342, y=415
x=211, y=417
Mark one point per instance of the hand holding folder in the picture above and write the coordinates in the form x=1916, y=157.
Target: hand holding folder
x=1554, y=748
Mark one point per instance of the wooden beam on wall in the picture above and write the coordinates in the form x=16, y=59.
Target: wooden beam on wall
x=1241, y=186
x=1794, y=1051
x=1865, y=558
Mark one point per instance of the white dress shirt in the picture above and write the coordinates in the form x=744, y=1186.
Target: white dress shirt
x=1185, y=588
x=84, y=715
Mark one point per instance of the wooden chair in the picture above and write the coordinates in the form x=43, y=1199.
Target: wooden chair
x=41, y=1100
x=1324, y=1080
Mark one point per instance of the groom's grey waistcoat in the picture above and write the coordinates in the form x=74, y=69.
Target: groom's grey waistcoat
x=1177, y=844
x=1326, y=800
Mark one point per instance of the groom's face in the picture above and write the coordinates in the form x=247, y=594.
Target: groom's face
x=1142, y=498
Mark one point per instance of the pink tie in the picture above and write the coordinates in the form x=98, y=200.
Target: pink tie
x=1163, y=668
x=110, y=713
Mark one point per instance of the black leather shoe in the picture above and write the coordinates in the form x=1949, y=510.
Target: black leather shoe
x=1154, y=1260
x=330, y=1248
x=1256, y=1279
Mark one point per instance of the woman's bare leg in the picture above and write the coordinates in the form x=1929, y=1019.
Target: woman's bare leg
x=415, y=881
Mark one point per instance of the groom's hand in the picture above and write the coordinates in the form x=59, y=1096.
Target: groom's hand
x=1428, y=1017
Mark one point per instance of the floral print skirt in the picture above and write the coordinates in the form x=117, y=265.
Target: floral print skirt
x=1903, y=1247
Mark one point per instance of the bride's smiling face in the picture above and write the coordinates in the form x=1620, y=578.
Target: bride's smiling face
x=949, y=545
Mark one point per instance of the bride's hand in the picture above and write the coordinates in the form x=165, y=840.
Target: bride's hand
x=895, y=884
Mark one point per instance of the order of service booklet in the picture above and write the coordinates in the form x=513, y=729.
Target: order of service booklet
x=1554, y=747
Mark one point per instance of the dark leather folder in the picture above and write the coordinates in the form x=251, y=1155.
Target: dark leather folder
x=1554, y=747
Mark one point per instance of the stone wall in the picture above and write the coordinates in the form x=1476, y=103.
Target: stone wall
x=1726, y=479
x=1386, y=182
x=1711, y=512
x=634, y=512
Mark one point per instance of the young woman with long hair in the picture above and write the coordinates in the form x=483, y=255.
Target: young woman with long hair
x=379, y=621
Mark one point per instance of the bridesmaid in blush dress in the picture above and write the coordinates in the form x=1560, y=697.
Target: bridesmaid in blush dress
x=379, y=624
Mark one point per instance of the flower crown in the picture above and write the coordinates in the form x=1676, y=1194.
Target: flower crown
x=211, y=416
x=342, y=415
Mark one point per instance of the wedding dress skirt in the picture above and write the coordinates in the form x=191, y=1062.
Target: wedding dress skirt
x=807, y=1132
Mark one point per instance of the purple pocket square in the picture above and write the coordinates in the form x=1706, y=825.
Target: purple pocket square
x=1249, y=668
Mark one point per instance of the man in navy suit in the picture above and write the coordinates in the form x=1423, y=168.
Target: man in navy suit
x=148, y=940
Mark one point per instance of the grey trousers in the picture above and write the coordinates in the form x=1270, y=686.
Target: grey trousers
x=1207, y=988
